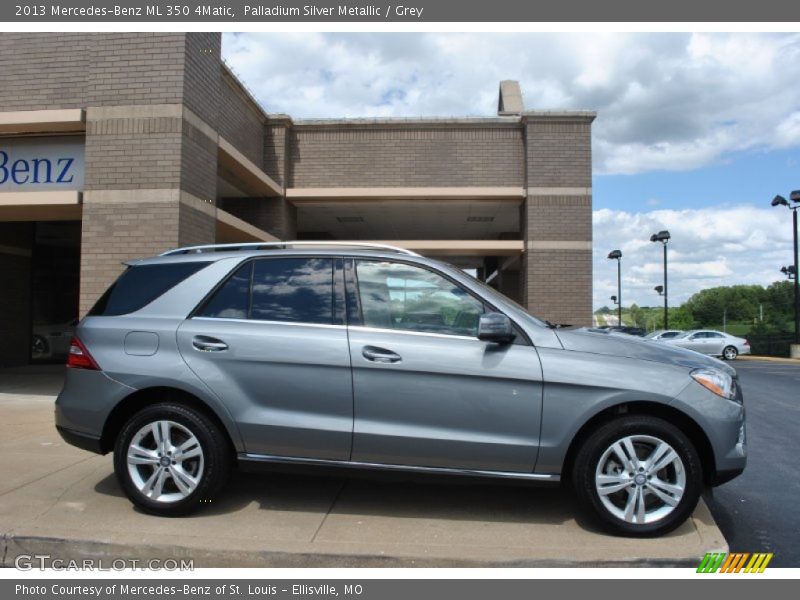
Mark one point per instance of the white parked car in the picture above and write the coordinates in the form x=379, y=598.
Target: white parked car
x=663, y=334
x=713, y=343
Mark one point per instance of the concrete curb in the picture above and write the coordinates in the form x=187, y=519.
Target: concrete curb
x=108, y=551
x=777, y=359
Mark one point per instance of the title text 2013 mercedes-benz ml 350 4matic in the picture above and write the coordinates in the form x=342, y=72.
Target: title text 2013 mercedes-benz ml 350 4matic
x=372, y=357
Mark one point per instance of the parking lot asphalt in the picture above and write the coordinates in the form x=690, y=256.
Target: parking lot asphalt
x=757, y=512
x=61, y=501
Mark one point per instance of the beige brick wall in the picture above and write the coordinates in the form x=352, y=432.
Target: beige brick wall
x=116, y=231
x=559, y=153
x=198, y=163
x=557, y=281
x=406, y=156
x=133, y=153
x=44, y=70
x=240, y=122
x=201, y=76
x=276, y=138
x=559, y=285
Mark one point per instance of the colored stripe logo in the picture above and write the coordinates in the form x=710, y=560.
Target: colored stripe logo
x=734, y=562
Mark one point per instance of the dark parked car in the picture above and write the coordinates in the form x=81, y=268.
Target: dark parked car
x=638, y=331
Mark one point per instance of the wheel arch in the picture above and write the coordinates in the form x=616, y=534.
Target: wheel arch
x=670, y=414
x=140, y=399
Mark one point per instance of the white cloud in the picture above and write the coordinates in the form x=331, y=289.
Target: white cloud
x=665, y=101
x=709, y=247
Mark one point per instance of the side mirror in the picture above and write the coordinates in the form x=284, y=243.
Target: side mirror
x=496, y=328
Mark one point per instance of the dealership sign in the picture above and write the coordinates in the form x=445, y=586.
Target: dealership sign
x=41, y=163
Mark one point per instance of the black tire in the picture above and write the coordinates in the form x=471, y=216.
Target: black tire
x=217, y=458
x=591, y=452
x=732, y=351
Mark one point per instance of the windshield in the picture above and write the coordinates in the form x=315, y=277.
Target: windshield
x=683, y=335
x=652, y=334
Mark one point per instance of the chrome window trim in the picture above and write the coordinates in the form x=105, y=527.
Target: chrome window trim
x=448, y=336
x=265, y=322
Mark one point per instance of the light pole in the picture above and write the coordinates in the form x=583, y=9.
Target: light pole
x=663, y=237
x=617, y=255
x=781, y=201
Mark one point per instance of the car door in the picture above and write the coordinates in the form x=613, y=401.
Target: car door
x=715, y=342
x=271, y=342
x=696, y=342
x=426, y=391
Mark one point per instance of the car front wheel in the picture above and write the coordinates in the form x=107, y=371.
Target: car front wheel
x=638, y=476
x=169, y=459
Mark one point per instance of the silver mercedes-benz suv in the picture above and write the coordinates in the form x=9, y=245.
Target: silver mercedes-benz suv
x=372, y=357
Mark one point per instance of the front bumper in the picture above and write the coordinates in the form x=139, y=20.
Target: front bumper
x=723, y=422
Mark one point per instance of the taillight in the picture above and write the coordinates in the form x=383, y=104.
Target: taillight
x=746, y=343
x=79, y=357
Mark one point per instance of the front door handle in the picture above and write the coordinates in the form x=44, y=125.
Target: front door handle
x=380, y=355
x=207, y=343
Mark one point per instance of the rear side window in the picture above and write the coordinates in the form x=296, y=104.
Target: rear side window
x=295, y=290
x=232, y=299
x=139, y=285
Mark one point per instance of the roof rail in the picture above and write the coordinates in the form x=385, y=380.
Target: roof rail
x=283, y=246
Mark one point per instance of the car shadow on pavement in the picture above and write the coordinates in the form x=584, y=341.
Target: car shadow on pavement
x=390, y=495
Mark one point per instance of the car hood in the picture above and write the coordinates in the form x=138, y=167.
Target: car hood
x=599, y=341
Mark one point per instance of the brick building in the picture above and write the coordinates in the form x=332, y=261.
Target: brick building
x=116, y=146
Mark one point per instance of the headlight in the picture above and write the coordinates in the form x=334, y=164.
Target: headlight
x=716, y=381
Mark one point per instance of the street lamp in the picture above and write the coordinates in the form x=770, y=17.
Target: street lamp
x=617, y=255
x=663, y=237
x=789, y=272
x=781, y=201
x=659, y=290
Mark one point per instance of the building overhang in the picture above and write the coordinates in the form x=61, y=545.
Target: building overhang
x=43, y=121
x=244, y=172
x=232, y=229
x=492, y=193
x=41, y=206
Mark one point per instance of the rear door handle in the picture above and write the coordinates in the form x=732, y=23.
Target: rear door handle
x=206, y=343
x=380, y=355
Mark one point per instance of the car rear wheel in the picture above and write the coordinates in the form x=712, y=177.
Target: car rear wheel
x=170, y=459
x=638, y=476
x=730, y=353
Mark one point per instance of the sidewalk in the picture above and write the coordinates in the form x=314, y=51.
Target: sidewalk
x=58, y=500
x=776, y=359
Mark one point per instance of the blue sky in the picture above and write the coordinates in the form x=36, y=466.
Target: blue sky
x=696, y=132
x=739, y=178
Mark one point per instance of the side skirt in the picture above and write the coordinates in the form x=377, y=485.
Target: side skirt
x=265, y=460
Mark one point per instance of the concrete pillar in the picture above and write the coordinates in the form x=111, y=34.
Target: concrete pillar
x=557, y=217
x=151, y=158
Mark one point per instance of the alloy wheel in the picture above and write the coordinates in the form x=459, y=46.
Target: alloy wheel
x=165, y=461
x=640, y=479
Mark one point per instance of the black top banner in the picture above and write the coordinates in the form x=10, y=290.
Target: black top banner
x=322, y=11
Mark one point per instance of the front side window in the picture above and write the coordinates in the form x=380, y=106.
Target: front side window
x=294, y=290
x=409, y=298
